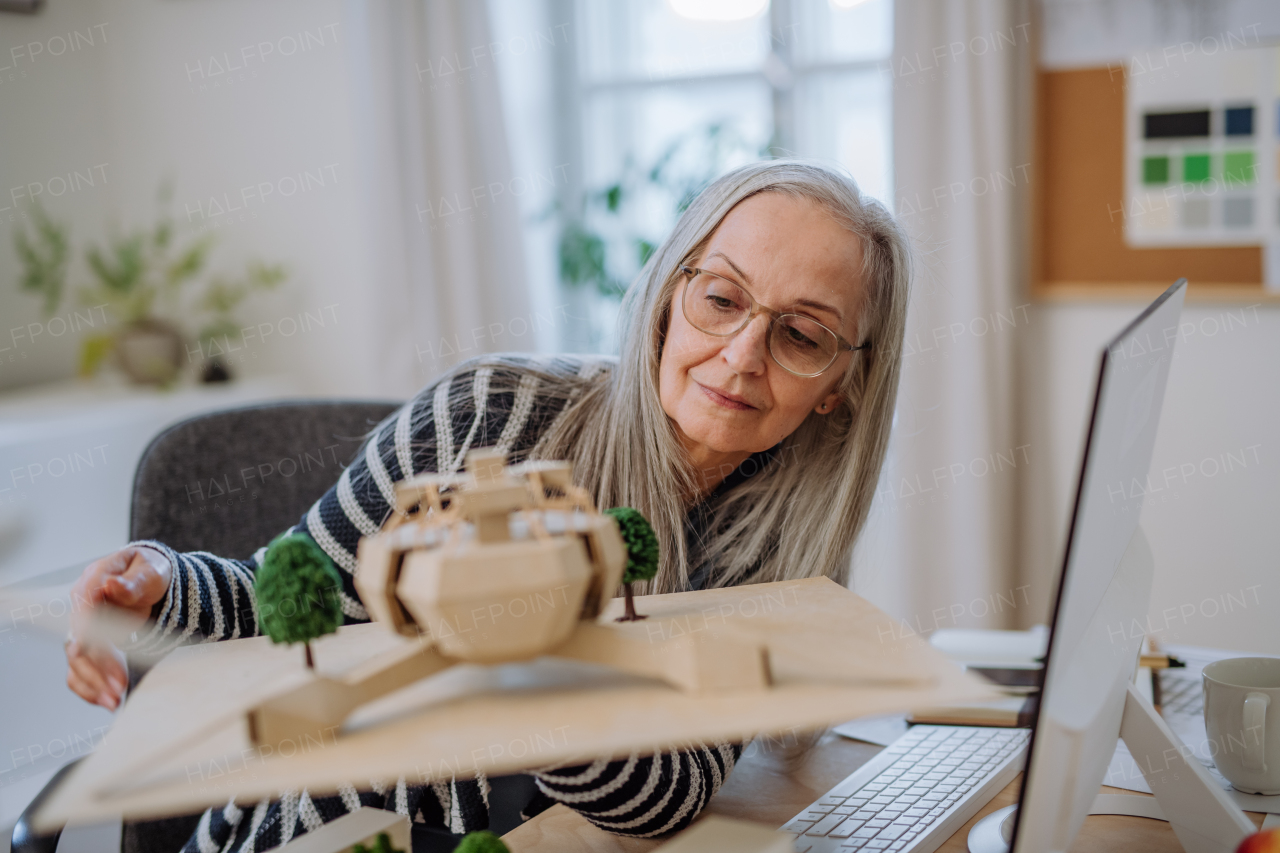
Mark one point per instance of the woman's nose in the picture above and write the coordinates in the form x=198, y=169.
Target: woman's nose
x=747, y=350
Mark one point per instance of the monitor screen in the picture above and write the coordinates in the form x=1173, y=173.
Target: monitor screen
x=1094, y=644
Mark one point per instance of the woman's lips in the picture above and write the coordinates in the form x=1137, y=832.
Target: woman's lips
x=721, y=400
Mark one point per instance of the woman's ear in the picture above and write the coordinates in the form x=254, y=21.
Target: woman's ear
x=828, y=404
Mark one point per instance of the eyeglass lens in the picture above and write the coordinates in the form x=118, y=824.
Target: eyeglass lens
x=719, y=307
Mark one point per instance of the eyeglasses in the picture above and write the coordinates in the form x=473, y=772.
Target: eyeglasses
x=722, y=307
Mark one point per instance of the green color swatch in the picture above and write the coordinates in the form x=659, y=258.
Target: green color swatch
x=1195, y=168
x=1155, y=170
x=1238, y=168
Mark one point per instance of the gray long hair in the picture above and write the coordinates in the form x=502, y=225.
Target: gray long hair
x=800, y=515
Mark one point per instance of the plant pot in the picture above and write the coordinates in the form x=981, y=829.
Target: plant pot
x=150, y=352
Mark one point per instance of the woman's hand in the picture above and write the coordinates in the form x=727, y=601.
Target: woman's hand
x=132, y=579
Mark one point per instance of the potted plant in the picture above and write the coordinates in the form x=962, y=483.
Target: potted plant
x=144, y=278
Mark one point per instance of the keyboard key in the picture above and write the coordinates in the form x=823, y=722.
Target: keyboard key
x=892, y=833
x=877, y=844
x=798, y=826
x=853, y=844
x=814, y=814
x=866, y=832
x=825, y=825
x=844, y=830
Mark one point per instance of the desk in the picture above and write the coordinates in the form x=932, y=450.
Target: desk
x=762, y=789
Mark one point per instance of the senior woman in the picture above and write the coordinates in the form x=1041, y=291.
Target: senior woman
x=747, y=418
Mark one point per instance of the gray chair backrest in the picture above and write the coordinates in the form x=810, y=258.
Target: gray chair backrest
x=230, y=481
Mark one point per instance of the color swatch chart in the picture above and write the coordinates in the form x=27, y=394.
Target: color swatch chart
x=1203, y=152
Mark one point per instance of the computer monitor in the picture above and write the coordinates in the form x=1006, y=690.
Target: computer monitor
x=1103, y=595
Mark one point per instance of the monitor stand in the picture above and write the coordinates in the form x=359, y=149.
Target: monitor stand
x=1203, y=816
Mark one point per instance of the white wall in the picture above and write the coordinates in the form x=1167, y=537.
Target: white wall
x=1214, y=487
x=146, y=102
x=1084, y=33
x=38, y=144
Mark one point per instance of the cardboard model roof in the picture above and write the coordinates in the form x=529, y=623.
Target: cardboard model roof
x=180, y=743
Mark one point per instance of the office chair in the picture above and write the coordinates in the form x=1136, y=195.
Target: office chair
x=227, y=482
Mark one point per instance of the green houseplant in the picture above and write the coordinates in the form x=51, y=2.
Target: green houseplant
x=601, y=250
x=144, y=279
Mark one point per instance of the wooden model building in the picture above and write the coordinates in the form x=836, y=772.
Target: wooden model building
x=501, y=564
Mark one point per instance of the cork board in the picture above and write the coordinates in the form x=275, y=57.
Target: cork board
x=1079, y=249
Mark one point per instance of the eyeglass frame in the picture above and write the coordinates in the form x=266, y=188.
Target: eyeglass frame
x=774, y=316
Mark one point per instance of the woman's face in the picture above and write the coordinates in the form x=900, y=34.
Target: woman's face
x=727, y=395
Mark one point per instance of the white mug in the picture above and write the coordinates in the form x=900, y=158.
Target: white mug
x=1242, y=719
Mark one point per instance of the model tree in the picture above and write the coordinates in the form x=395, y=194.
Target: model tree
x=381, y=844
x=483, y=841
x=642, y=553
x=297, y=589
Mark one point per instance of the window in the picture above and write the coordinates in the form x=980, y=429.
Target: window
x=654, y=98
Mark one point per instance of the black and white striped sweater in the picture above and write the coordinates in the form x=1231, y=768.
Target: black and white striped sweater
x=211, y=598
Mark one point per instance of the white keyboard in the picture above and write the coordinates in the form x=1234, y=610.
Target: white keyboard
x=915, y=793
x=1182, y=692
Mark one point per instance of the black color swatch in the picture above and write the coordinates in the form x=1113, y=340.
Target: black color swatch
x=1175, y=125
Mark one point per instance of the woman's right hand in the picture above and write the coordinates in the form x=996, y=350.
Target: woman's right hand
x=132, y=580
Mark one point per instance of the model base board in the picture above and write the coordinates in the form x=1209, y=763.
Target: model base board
x=182, y=741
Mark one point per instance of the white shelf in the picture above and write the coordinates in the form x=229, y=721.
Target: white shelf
x=68, y=452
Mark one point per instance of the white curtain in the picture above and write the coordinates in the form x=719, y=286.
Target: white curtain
x=442, y=220
x=942, y=546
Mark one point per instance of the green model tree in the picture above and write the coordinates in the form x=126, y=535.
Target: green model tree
x=642, y=553
x=483, y=841
x=381, y=844
x=297, y=588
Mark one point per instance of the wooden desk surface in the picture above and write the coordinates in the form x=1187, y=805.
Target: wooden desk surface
x=767, y=788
